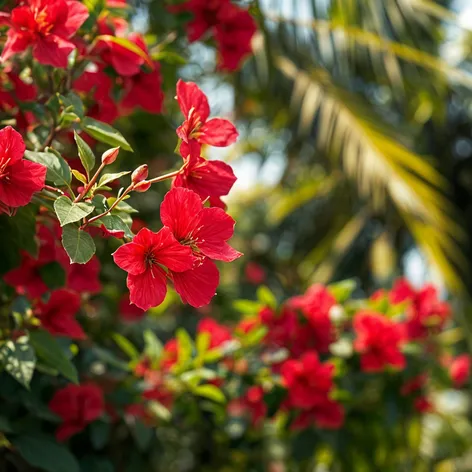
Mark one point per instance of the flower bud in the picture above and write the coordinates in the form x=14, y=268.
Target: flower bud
x=140, y=174
x=109, y=157
x=142, y=186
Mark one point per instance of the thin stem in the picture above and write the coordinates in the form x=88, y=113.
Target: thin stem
x=170, y=175
x=90, y=184
x=117, y=202
x=53, y=189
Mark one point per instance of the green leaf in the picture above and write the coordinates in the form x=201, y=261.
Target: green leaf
x=79, y=176
x=115, y=223
x=255, y=336
x=17, y=233
x=45, y=453
x=69, y=212
x=247, y=307
x=58, y=170
x=107, y=178
x=184, y=346
x=126, y=346
x=170, y=57
x=266, y=297
x=159, y=410
x=212, y=392
x=152, y=345
x=18, y=360
x=105, y=133
x=99, y=434
x=78, y=244
x=202, y=342
x=53, y=275
x=50, y=352
x=87, y=157
x=342, y=291
x=74, y=101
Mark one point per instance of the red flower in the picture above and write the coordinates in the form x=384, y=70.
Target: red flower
x=128, y=311
x=77, y=406
x=206, y=231
x=459, y=370
x=19, y=178
x=212, y=179
x=233, y=33
x=315, y=305
x=378, y=341
x=219, y=334
x=308, y=381
x=57, y=315
x=329, y=415
x=426, y=313
x=170, y=354
x=252, y=403
x=194, y=105
x=143, y=258
x=282, y=327
x=47, y=26
x=144, y=90
x=95, y=79
x=423, y=405
x=232, y=27
x=83, y=277
x=255, y=273
x=27, y=278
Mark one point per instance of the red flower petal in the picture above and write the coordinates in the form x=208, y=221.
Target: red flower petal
x=218, y=132
x=131, y=257
x=147, y=289
x=12, y=146
x=198, y=286
x=189, y=96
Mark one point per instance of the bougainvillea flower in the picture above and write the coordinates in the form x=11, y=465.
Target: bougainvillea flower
x=194, y=105
x=327, y=415
x=233, y=34
x=19, y=178
x=84, y=277
x=77, y=406
x=206, y=231
x=308, y=381
x=378, y=340
x=255, y=273
x=218, y=334
x=57, y=315
x=206, y=178
x=459, y=370
x=143, y=90
x=143, y=259
x=47, y=26
x=426, y=312
x=316, y=305
x=251, y=404
x=125, y=61
x=97, y=80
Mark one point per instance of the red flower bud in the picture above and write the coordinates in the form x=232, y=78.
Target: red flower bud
x=140, y=174
x=142, y=186
x=109, y=157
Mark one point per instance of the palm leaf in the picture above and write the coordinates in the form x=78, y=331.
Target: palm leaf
x=383, y=168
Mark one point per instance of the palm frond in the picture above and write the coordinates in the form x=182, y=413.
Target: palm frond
x=384, y=169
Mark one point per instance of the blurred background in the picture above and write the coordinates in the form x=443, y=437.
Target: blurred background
x=354, y=160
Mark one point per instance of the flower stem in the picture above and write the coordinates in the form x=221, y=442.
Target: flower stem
x=90, y=184
x=170, y=175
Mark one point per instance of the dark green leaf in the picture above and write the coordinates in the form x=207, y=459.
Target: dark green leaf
x=74, y=101
x=18, y=360
x=50, y=352
x=87, y=157
x=78, y=244
x=105, y=133
x=99, y=434
x=45, y=453
x=53, y=275
x=69, y=212
x=58, y=170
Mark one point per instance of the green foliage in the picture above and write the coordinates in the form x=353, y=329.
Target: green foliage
x=68, y=212
x=78, y=244
x=104, y=133
x=87, y=157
